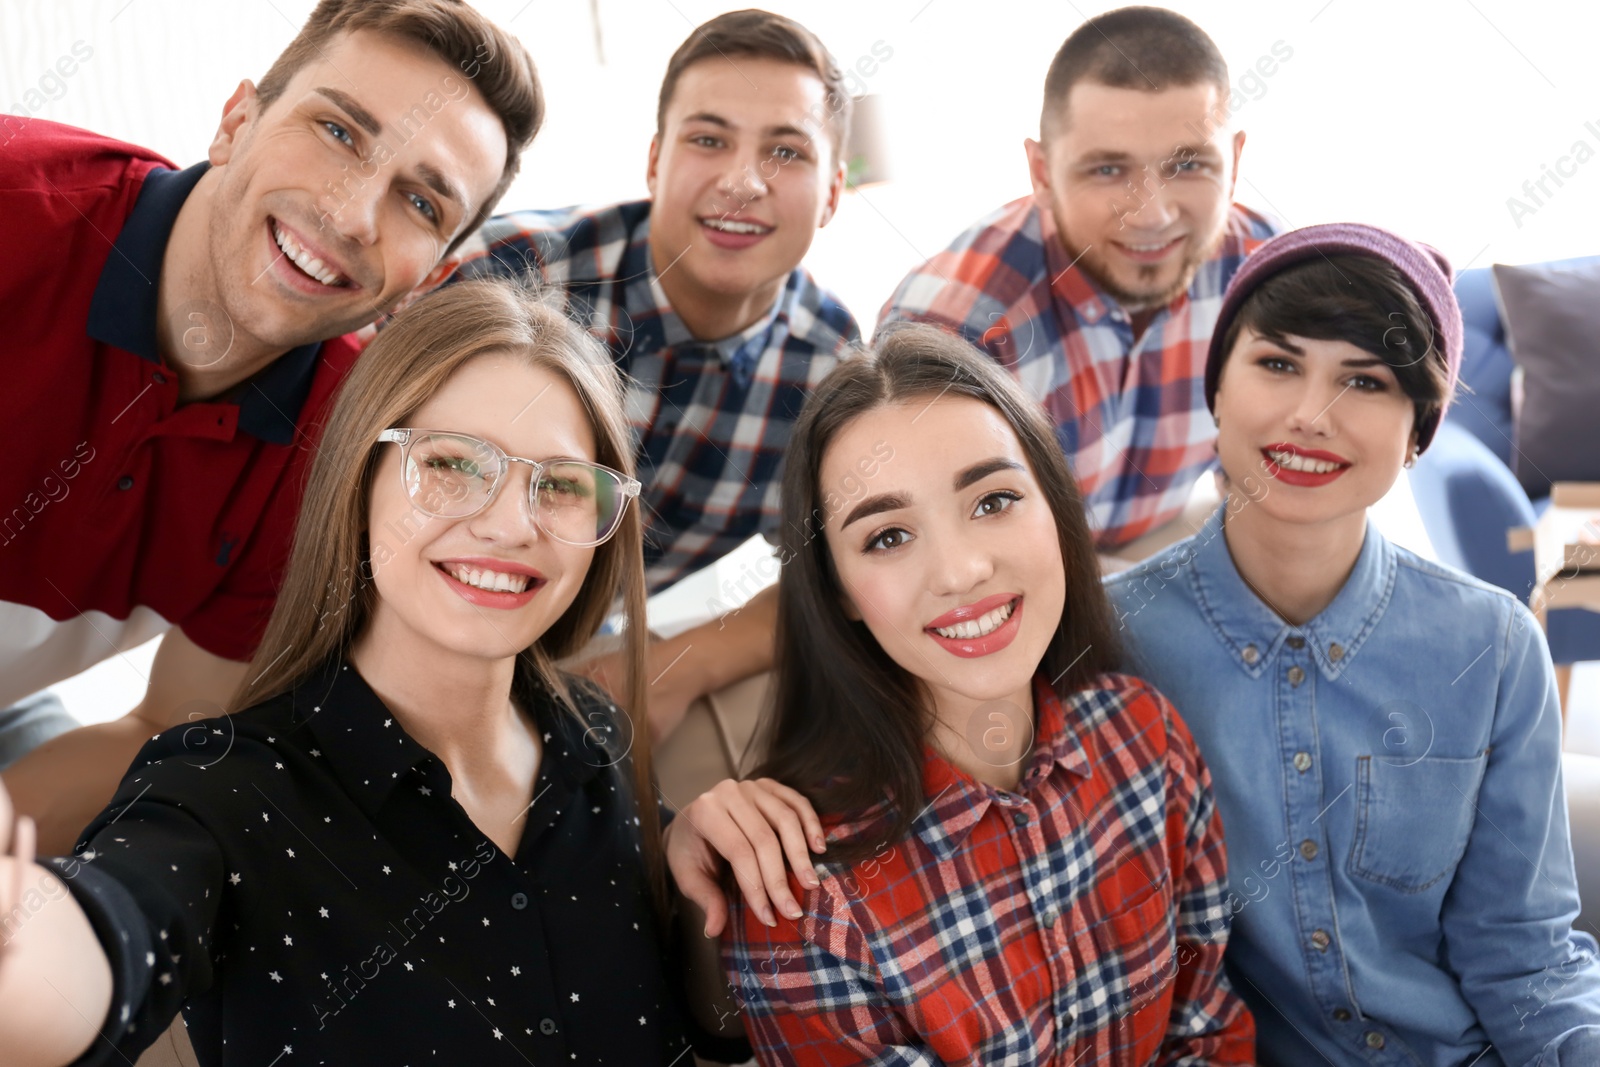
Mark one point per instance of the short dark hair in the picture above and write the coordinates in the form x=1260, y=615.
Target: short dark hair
x=1361, y=300
x=852, y=735
x=1146, y=48
x=753, y=32
x=487, y=56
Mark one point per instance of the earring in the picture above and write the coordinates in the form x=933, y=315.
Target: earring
x=1411, y=460
x=1216, y=420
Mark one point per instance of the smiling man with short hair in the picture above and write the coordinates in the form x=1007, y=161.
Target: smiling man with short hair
x=1100, y=289
x=699, y=295
x=186, y=329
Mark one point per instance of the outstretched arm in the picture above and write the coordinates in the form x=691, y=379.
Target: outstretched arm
x=55, y=980
x=67, y=781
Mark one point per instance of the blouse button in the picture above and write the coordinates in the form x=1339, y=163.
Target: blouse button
x=159, y=378
x=1308, y=849
x=1251, y=654
x=1302, y=762
x=1321, y=940
x=1020, y=818
x=547, y=1027
x=1296, y=676
x=125, y=482
x=1296, y=642
x=1336, y=652
x=1374, y=1039
x=519, y=900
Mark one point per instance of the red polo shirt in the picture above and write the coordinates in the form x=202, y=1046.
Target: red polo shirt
x=122, y=512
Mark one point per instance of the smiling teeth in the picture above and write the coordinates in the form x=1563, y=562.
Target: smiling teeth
x=493, y=581
x=1290, y=461
x=305, y=260
x=730, y=226
x=982, y=626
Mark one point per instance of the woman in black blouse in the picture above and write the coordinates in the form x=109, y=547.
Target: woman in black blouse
x=419, y=842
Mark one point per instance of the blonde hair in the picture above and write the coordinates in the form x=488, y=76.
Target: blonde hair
x=327, y=596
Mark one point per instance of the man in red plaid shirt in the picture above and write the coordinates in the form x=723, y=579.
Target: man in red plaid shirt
x=1100, y=290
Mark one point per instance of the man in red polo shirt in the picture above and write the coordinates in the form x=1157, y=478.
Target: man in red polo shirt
x=176, y=335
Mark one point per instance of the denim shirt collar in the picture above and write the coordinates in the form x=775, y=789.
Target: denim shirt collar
x=1253, y=633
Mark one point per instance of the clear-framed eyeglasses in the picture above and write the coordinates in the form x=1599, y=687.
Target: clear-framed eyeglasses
x=454, y=475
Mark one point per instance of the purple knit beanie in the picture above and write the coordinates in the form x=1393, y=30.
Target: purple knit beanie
x=1424, y=269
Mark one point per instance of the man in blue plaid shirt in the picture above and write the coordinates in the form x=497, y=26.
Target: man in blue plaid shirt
x=699, y=294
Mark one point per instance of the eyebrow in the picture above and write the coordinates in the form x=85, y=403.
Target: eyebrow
x=873, y=505
x=783, y=130
x=431, y=176
x=1296, y=350
x=364, y=118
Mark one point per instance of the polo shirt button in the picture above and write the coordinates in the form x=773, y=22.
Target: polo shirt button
x=1296, y=675
x=125, y=482
x=159, y=378
x=1251, y=654
x=1020, y=818
x=1336, y=652
x=519, y=900
x=547, y=1027
x=1374, y=1039
x=1302, y=762
x=1296, y=642
x=1308, y=849
x=1341, y=1014
x=1321, y=940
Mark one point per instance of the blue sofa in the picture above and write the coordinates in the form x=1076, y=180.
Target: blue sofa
x=1463, y=483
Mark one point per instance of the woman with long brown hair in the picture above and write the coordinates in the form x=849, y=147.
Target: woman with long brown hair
x=1024, y=862
x=415, y=838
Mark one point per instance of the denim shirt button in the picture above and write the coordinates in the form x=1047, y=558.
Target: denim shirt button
x=1342, y=1014
x=1296, y=676
x=1336, y=652
x=1321, y=940
x=1308, y=849
x=1374, y=1039
x=1251, y=654
x=1302, y=762
x=1296, y=642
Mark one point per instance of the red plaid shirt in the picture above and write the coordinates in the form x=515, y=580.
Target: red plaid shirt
x=1080, y=920
x=1130, y=412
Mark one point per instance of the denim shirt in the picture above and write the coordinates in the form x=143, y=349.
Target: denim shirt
x=1389, y=779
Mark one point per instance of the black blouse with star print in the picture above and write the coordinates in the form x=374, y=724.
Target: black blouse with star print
x=298, y=881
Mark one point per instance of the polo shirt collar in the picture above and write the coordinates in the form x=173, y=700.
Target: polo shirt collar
x=371, y=753
x=122, y=312
x=1253, y=634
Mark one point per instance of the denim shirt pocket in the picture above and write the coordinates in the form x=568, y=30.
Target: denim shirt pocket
x=1413, y=818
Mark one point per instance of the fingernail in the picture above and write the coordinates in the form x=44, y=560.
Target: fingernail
x=810, y=879
x=819, y=844
x=766, y=917
x=794, y=911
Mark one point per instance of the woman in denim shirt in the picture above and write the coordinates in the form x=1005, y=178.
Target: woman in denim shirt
x=1383, y=732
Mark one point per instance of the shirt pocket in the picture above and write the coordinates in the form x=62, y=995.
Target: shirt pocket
x=1413, y=818
x=1136, y=958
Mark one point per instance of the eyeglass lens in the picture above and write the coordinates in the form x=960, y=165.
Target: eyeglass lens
x=452, y=476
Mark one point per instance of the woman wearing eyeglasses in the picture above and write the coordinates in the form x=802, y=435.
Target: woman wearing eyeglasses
x=418, y=842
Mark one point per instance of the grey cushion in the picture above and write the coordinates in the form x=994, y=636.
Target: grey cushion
x=1552, y=319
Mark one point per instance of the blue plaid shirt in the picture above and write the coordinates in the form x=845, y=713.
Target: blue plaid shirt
x=711, y=420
